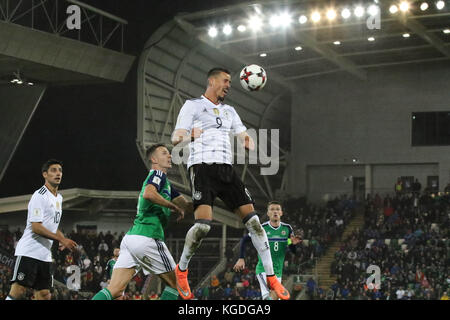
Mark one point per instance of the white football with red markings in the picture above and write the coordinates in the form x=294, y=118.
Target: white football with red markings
x=253, y=78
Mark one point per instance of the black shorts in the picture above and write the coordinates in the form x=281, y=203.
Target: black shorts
x=33, y=273
x=209, y=181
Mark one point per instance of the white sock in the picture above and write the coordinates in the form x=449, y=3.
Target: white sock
x=9, y=298
x=193, y=240
x=260, y=242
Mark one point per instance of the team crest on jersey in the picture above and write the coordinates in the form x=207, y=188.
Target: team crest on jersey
x=216, y=111
x=21, y=276
x=197, y=195
x=227, y=116
x=283, y=233
x=58, y=206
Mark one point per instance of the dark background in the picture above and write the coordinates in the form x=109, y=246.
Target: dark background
x=92, y=128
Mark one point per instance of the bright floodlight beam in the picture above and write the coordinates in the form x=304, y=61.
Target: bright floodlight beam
x=275, y=21
x=359, y=11
x=393, y=9
x=404, y=6
x=303, y=19
x=331, y=14
x=373, y=10
x=315, y=16
x=424, y=6
x=255, y=23
x=227, y=29
x=241, y=28
x=286, y=19
x=440, y=5
x=346, y=13
x=212, y=32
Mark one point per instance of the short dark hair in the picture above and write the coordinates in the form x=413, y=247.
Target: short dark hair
x=149, y=151
x=50, y=162
x=276, y=203
x=216, y=71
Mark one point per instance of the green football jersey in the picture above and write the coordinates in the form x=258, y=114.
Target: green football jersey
x=151, y=219
x=278, y=242
x=110, y=267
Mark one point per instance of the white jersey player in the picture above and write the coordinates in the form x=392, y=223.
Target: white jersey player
x=33, y=251
x=206, y=124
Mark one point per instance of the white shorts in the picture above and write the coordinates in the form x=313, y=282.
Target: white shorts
x=265, y=290
x=140, y=252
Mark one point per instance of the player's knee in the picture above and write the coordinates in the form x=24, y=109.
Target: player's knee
x=44, y=295
x=202, y=228
x=17, y=291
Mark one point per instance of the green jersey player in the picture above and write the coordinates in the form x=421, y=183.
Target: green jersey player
x=143, y=245
x=110, y=264
x=281, y=237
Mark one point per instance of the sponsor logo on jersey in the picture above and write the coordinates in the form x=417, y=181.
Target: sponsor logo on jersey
x=197, y=195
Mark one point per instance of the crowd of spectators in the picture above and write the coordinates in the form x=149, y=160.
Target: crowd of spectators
x=317, y=225
x=407, y=237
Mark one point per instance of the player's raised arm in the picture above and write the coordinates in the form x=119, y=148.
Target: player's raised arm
x=186, y=205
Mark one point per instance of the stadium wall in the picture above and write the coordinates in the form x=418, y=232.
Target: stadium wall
x=338, y=118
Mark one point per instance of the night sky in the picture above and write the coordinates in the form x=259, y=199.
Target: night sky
x=92, y=128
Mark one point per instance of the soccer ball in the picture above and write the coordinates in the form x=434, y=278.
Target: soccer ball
x=253, y=78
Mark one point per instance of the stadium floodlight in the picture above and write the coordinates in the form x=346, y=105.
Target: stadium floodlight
x=30, y=83
x=373, y=10
x=275, y=20
x=263, y=55
x=331, y=14
x=393, y=9
x=315, y=16
x=371, y=39
x=404, y=6
x=346, y=13
x=406, y=35
x=255, y=23
x=446, y=31
x=303, y=19
x=298, y=48
x=440, y=5
x=359, y=11
x=336, y=43
x=424, y=6
x=286, y=19
x=227, y=29
x=241, y=28
x=212, y=32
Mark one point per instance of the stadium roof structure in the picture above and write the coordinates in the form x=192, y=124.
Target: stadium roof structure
x=415, y=33
x=90, y=203
x=37, y=43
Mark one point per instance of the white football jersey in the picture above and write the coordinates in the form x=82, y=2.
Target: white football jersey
x=217, y=123
x=46, y=208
